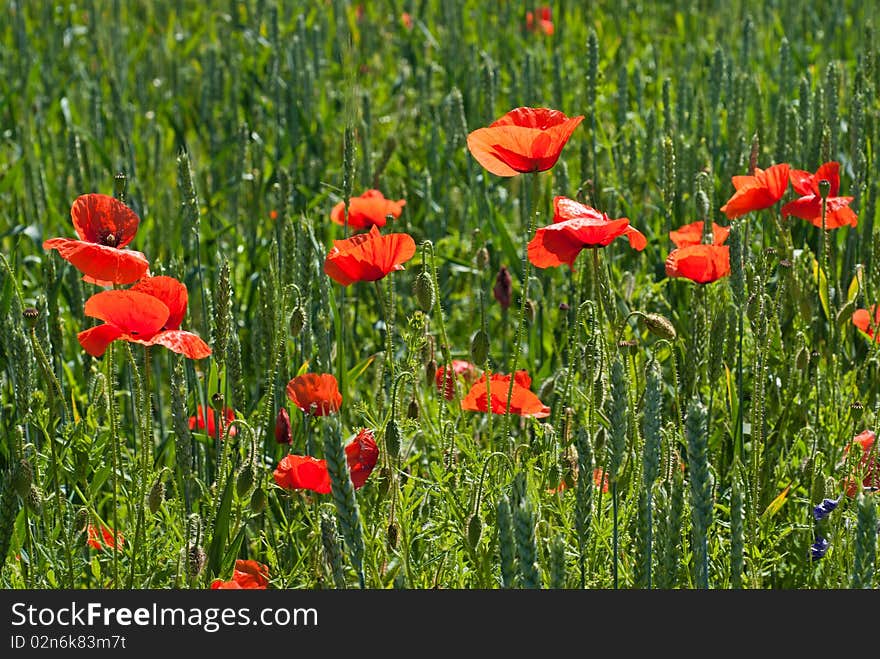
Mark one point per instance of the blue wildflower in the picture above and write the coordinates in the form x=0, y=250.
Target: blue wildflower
x=819, y=548
x=824, y=509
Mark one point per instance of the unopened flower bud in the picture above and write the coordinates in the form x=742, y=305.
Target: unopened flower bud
x=23, y=477
x=245, y=480
x=217, y=401
x=412, y=410
x=531, y=310
x=297, y=321
x=258, y=501
x=482, y=258
x=35, y=500
x=156, y=496
x=423, y=289
x=659, y=326
x=393, y=533
x=503, y=289
x=431, y=371
x=474, y=530
x=392, y=438
x=30, y=315
x=283, y=434
x=479, y=347
x=824, y=188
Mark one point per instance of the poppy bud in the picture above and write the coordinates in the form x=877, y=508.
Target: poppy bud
x=423, y=289
x=856, y=410
x=217, y=401
x=384, y=481
x=503, y=289
x=283, y=434
x=23, y=477
x=474, y=530
x=564, y=306
x=245, y=480
x=156, y=496
x=35, y=500
x=431, y=371
x=195, y=561
x=531, y=310
x=630, y=347
x=297, y=321
x=802, y=360
x=393, y=533
x=480, y=347
x=258, y=501
x=392, y=438
x=482, y=258
x=30, y=315
x=660, y=326
x=546, y=389
x=412, y=411
x=81, y=521
x=824, y=188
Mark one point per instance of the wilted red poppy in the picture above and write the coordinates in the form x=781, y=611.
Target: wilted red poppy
x=809, y=205
x=576, y=226
x=303, y=472
x=198, y=421
x=756, y=192
x=692, y=234
x=104, y=539
x=368, y=256
x=361, y=454
x=861, y=318
x=544, y=24
x=149, y=313
x=104, y=225
x=247, y=575
x=371, y=208
x=700, y=263
x=523, y=402
x=460, y=367
x=283, y=434
x=868, y=467
x=315, y=394
x=523, y=140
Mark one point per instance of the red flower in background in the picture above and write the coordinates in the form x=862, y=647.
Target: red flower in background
x=543, y=22
x=361, y=455
x=523, y=402
x=315, y=394
x=407, y=20
x=283, y=434
x=104, y=539
x=247, y=575
x=862, y=318
x=371, y=208
x=601, y=477
x=523, y=140
x=368, y=256
x=692, y=234
x=700, y=263
x=460, y=367
x=575, y=227
x=757, y=192
x=149, y=313
x=868, y=468
x=198, y=421
x=809, y=205
x=105, y=226
x=303, y=472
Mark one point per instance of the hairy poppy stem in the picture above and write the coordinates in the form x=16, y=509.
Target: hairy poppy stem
x=530, y=181
x=444, y=340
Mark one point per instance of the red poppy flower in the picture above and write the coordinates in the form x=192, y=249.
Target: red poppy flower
x=368, y=256
x=756, y=192
x=303, y=472
x=247, y=575
x=371, y=208
x=149, y=313
x=361, y=455
x=543, y=23
x=692, y=234
x=600, y=476
x=282, y=427
x=198, y=421
x=315, y=394
x=700, y=263
x=460, y=367
x=104, y=225
x=576, y=226
x=861, y=318
x=104, y=539
x=809, y=205
x=868, y=467
x=407, y=20
x=523, y=402
x=523, y=140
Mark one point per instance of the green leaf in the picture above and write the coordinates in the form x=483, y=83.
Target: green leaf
x=822, y=281
x=221, y=529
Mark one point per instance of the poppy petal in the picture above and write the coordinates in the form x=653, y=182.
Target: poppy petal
x=567, y=209
x=636, y=238
x=829, y=171
x=169, y=291
x=183, y=343
x=96, y=339
x=135, y=313
x=484, y=146
x=315, y=393
x=801, y=181
x=99, y=262
x=775, y=180
x=97, y=216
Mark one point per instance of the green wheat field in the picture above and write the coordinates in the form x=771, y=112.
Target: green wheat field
x=223, y=365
